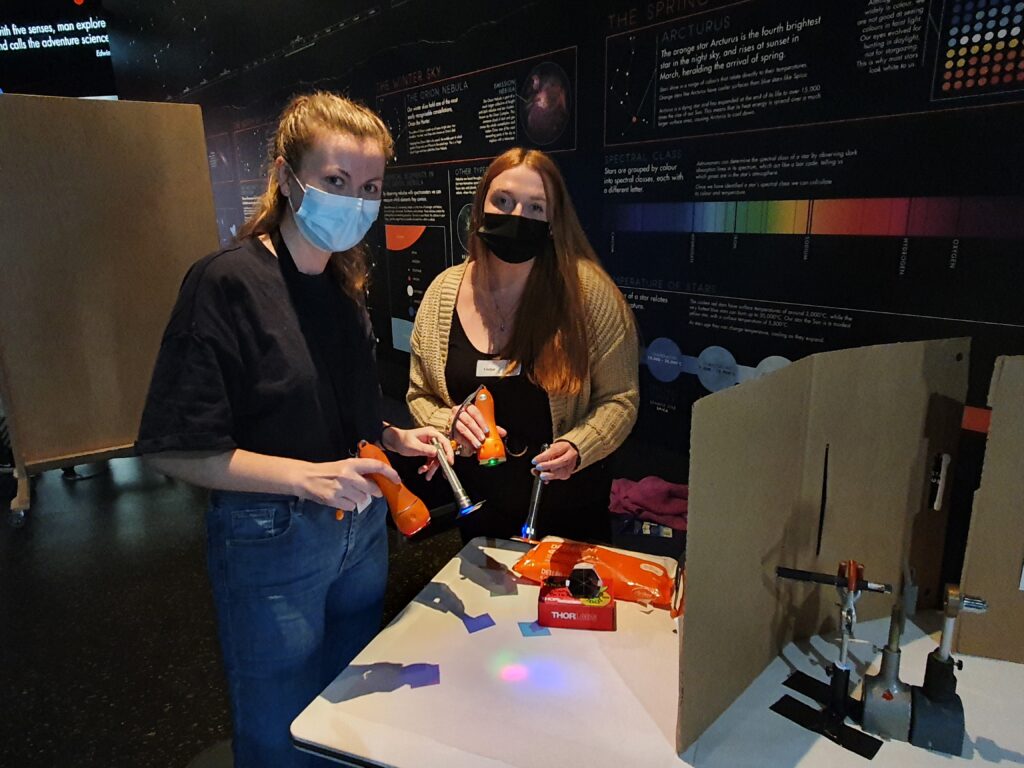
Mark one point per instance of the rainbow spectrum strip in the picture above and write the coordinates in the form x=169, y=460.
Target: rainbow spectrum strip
x=986, y=217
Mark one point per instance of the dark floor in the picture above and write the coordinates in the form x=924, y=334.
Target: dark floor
x=108, y=652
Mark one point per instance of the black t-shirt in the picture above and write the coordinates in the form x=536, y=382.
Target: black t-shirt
x=261, y=357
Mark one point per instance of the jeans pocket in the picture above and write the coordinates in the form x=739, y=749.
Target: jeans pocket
x=260, y=522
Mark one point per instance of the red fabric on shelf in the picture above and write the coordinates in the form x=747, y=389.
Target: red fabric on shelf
x=653, y=499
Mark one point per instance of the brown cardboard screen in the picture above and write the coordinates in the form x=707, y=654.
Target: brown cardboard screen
x=106, y=205
x=757, y=484
x=995, y=544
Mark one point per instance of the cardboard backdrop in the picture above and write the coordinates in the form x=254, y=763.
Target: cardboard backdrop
x=106, y=203
x=994, y=565
x=825, y=460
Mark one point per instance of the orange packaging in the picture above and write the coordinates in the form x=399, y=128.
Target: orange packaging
x=632, y=578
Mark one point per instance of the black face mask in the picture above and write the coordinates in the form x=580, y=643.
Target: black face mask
x=515, y=239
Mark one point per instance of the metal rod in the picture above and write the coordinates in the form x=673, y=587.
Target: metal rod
x=529, y=527
x=461, y=497
x=830, y=579
x=946, y=643
x=894, y=628
x=847, y=619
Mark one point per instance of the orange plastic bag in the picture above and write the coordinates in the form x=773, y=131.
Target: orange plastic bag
x=632, y=578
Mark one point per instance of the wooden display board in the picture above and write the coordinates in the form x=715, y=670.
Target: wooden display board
x=106, y=203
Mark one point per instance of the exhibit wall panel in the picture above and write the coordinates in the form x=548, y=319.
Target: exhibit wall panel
x=763, y=180
x=106, y=205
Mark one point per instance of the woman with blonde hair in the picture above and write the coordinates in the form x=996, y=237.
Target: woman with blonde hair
x=264, y=385
x=534, y=317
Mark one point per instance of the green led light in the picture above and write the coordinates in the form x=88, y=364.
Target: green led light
x=492, y=462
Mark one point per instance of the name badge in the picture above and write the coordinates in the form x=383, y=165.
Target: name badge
x=492, y=369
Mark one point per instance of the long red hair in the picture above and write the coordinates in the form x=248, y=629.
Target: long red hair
x=549, y=337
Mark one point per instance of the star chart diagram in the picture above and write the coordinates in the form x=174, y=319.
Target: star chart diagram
x=631, y=88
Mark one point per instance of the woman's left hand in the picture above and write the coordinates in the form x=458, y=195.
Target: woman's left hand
x=558, y=462
x=418, y=442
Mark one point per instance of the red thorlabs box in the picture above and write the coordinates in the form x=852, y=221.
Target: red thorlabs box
x=558, y=607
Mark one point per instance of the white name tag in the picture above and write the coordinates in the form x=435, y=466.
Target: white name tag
x=491, y=369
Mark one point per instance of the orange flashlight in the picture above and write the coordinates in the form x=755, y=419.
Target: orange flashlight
x=491, y=452
x=407, y=510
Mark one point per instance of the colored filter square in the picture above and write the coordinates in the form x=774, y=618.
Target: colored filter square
x=476, y=623
x=533, y=629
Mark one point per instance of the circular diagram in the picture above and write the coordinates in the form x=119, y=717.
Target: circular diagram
x=771, y=363
x=462, y=224
x=716, y=369
x=664, y=360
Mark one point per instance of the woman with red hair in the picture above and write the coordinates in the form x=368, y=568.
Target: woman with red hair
x=533, y=316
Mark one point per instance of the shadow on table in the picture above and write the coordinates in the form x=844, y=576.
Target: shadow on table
x=442, y=598
x=383, y=677
x=480, y=568
x=990, y=752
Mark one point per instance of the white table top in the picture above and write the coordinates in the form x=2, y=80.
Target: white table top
x=749, y=734
x=443, y=686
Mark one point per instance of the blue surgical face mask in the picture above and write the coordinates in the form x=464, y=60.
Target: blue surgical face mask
x=333, y=222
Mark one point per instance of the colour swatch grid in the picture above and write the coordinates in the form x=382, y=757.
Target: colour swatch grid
x=981, y=48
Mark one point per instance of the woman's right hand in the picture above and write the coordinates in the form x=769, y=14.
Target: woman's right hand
x=471, y=429
x=343, y=484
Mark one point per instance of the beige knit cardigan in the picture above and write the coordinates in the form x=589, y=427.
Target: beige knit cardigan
x=596, y=421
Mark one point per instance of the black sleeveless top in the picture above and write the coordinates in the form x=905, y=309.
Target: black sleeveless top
x=520, y=406
x=574, y=508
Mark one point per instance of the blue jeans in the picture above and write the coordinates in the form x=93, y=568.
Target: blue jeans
x=298, y=594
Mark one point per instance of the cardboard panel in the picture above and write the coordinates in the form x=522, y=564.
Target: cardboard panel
x=995, y=545
x=746, y=467
x=760, y=497
x=884, y=413
x=928, y=537
x=106, y=204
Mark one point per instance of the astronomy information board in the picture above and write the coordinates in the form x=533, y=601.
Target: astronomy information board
x=778, y=179
x=763, y=180
x=782, y=179
x=451, y=129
